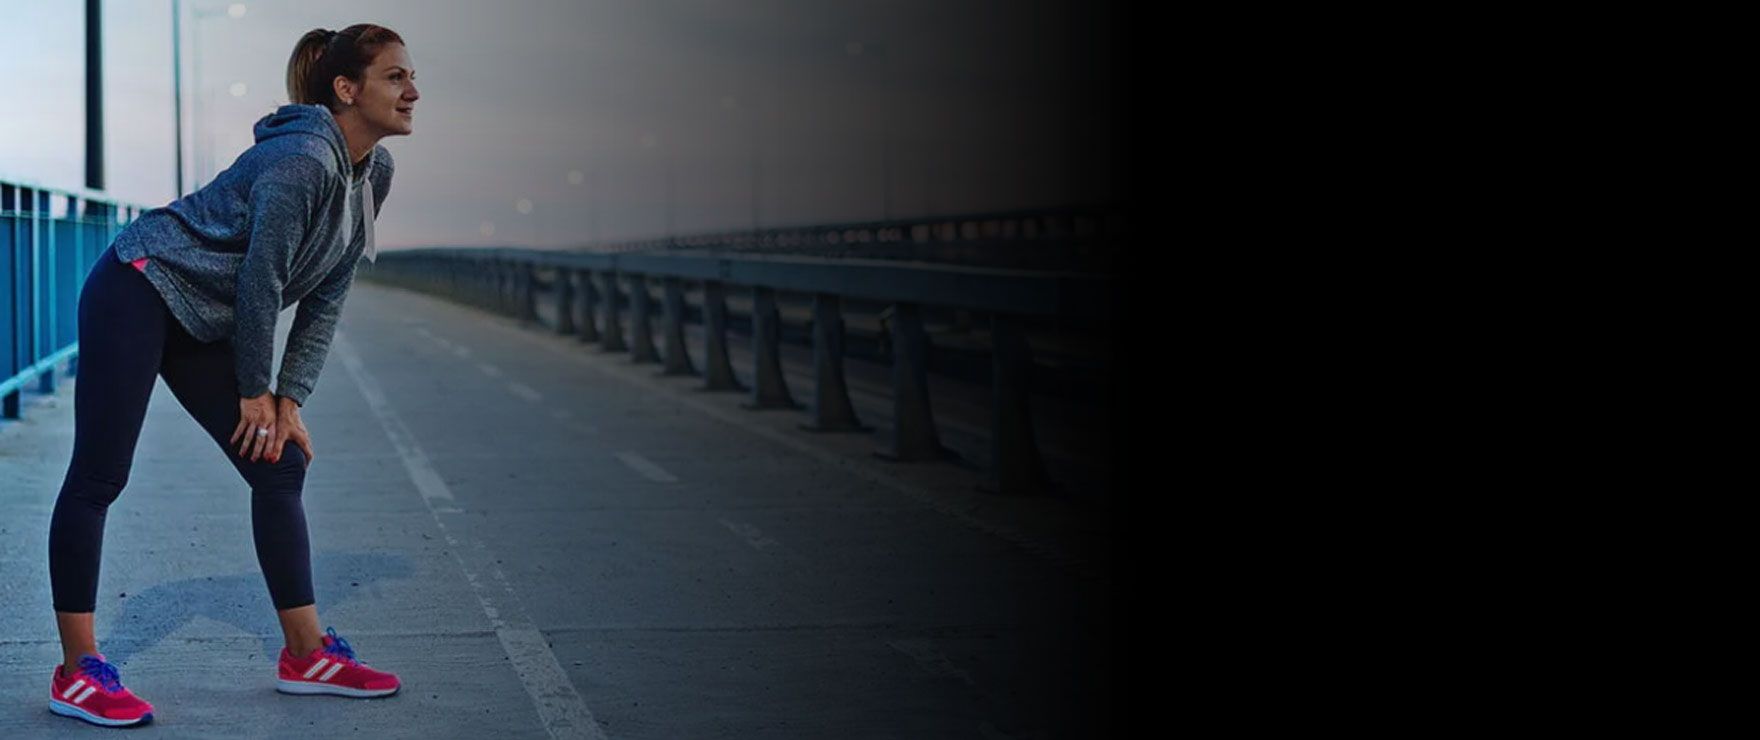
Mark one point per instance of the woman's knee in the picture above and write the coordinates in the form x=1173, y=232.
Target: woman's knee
x=99, y=488
x=286, y=476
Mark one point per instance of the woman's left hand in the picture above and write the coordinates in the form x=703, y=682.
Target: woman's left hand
x=289, y=427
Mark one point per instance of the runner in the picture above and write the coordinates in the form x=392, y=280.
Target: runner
x=288, y=222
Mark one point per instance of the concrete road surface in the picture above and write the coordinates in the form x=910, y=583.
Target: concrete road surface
x=544, y=540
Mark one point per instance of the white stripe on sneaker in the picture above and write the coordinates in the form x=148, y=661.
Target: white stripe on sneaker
x=333, y=669
x=318, y=666
x=83, y=694
x=73, y=688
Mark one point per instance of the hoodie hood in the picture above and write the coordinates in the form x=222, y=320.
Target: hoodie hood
x=298, y=119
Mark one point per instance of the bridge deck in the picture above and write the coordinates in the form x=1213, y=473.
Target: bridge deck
x=545, y=540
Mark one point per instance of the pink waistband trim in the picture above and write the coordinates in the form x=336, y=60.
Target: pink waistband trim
x=140, y=264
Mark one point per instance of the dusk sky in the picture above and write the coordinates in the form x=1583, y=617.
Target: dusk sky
x=805, y=104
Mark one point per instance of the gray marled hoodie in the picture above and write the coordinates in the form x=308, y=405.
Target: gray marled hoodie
x=283, y=224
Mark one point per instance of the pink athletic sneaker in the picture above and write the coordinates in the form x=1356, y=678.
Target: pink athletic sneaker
x=332, y=669
x=95, y=694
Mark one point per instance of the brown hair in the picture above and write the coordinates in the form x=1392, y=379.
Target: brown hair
x=321, y=55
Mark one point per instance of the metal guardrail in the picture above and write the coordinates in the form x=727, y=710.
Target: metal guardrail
x=49, y=239
x=1078, y=239
x=509, y=280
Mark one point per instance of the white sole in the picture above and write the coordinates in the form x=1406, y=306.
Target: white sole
x=68, y=710
x=312, y=687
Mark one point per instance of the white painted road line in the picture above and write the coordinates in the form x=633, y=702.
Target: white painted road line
x=525, y=391
x=752, y=535
x=646, y=467
x=1046, y=548
x=560, y=707
x=567, y=418
x=415, y=461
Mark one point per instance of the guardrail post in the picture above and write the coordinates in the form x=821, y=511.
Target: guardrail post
x=613, y=324
x=1017, y=468
x=29, y=300
x=563, y=282
x=55, y=247
x=718, y=373
x=467, y=274
x=48, y=341
x=10, y=362
x=588, y=324
x=642, y=343
x=525, y=273
x=503, y=303
x=832, y=411
x=485, y=283
x=509, y=288
x=678, y=356
x=475, y=280
x=442, y=275
x=770, y=389
x=503, y=287
x=489, y=285
x=500, y=304
x=913, y=422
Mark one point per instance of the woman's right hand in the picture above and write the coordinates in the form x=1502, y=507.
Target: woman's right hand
x=253, y=414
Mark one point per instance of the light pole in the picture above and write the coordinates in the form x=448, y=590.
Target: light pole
x=201, y=135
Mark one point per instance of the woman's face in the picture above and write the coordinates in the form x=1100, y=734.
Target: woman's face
x=388, y=94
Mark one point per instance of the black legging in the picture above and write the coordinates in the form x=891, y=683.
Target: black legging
x=126, y=337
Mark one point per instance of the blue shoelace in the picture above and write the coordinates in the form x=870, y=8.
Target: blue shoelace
x=105, y=673
x=338, y=646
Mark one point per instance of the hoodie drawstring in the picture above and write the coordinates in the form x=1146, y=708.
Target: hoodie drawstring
x=367, y=217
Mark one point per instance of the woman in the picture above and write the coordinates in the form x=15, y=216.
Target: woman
x=191, y=292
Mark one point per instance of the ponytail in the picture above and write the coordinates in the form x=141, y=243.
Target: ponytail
x=303, y=63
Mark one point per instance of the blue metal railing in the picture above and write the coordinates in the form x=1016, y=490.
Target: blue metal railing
x=49, y=239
